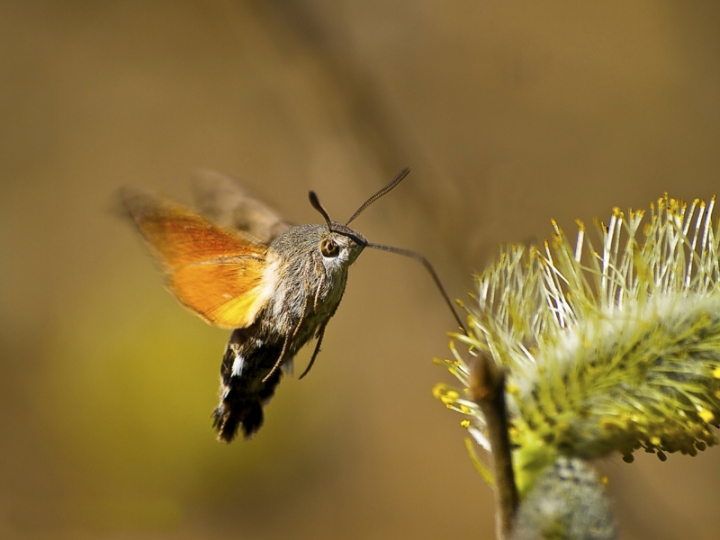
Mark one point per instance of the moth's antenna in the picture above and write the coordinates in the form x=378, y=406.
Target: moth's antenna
x=315, y=202
x=428, y=267
x=402, y=174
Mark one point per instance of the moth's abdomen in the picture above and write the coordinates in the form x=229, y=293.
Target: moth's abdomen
x=247, y=361
x=239, y=408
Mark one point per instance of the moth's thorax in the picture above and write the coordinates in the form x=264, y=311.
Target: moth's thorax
x=309, y=284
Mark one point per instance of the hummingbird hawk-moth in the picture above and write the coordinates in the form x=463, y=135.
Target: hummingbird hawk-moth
x=238, y=264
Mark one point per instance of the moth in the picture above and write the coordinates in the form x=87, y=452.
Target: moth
x=239, y=265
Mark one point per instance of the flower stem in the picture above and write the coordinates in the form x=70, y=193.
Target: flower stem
x=487, y=385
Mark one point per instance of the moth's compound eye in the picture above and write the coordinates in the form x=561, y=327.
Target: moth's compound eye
x=329, y=248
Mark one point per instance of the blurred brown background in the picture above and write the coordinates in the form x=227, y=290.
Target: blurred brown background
x=509, y=113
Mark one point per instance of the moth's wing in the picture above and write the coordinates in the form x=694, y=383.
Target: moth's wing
x=226, y=202
x=218, y=274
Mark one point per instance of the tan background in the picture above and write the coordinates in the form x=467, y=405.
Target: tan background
x=509, y=113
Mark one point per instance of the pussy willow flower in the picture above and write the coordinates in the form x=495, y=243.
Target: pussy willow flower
x=608, y=347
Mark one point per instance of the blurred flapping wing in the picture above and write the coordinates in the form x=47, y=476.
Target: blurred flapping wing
x=218, y=274
x=226, y=202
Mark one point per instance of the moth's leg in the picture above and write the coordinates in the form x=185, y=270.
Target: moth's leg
x=320, y=334
x=317, y=293
x=319, y=269
x=280, y=358
x=288, y=339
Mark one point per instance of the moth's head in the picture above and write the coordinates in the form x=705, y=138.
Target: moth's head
x=340, y=245
x=335, y=245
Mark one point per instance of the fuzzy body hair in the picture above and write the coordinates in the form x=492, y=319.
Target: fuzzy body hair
x=306, y=290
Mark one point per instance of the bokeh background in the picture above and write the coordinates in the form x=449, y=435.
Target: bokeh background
x=508, y=113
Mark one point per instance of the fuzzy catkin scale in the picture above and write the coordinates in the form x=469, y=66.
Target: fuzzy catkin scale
x=646, y=382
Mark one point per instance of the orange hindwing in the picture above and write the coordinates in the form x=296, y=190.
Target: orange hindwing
x=221, y=275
